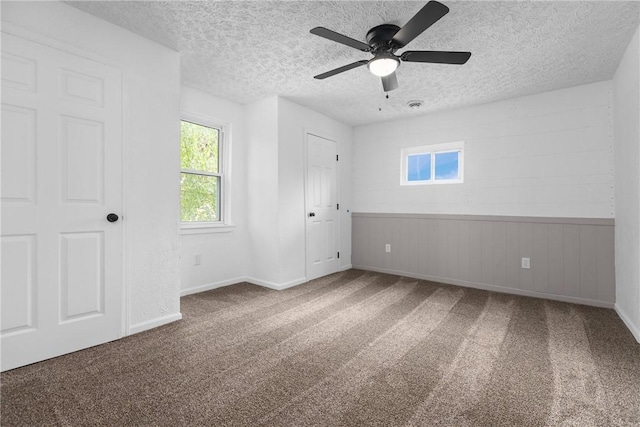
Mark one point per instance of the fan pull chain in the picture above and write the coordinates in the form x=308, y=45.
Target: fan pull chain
x=386, y=97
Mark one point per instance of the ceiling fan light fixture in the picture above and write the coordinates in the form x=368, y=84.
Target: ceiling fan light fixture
x=383, y=65
x=384, y=40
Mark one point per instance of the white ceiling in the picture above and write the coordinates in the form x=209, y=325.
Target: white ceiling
x=248, y=50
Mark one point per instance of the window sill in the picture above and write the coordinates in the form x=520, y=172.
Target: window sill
x=431, y=182
x=205, y=228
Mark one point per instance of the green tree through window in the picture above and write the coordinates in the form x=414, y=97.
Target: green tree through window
x=200, y=178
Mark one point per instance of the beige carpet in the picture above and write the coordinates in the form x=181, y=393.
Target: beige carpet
x=351, y=349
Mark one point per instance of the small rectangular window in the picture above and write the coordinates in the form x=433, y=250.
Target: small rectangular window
x=419, y=167
x=432, y=164
x=447, y=165
x=201, y=174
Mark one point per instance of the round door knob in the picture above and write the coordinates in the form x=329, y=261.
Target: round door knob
x=312, y=214
x=112, y=217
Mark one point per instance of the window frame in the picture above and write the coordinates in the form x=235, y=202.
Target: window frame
x=223, y=224
x=449, y=147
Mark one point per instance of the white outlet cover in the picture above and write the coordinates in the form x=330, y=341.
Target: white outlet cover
x=526, y=263
x=387, y=248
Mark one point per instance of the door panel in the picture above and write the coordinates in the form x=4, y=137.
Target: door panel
x=81, y=88
x=61, y=175
x=82, y=284
x=18, y=154
x=82, y=155
x=322, y=215
x=18, y=72
x=330, y=248
x=18, y=283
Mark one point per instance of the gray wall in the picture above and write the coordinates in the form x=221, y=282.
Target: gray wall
x=572, y=259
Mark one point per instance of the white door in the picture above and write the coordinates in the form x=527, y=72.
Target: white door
x=62, y=274
x=322, y=208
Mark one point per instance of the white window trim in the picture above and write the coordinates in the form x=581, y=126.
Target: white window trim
x=448, y=147
x=205, y=227
x=224, y=225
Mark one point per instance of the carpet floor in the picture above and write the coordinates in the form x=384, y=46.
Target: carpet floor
x=352, y=349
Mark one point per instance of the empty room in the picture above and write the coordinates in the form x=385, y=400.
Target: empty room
x=320, y=213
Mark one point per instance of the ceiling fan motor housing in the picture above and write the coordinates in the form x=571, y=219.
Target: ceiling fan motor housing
x=379, y=38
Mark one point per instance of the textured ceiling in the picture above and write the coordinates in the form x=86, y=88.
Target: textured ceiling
x=246, y=51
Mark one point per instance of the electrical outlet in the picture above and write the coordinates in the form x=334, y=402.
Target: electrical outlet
x=526, y=263
x=196, y=260
x=387, y=248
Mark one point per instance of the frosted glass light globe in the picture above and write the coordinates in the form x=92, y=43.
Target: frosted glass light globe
x=383, y=66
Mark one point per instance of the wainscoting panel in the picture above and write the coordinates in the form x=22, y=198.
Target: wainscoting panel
x=572, y=259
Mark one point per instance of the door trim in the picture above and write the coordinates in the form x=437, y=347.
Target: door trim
x=306, y=132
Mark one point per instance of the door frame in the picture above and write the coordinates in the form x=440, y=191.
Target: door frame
x=330, y=137
x=34, y=37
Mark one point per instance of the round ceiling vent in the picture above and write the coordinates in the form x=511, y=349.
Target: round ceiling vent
x=415, y=104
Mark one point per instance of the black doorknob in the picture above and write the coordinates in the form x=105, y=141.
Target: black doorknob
x=312, y=214
x=112, y=217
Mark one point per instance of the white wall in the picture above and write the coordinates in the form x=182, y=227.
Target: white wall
x=262, y=255
x=627, y=173
x=549, y=154
x=267, y=244
x=294, y=121
x=151, y=100
x=276, y=140
x=222, y=253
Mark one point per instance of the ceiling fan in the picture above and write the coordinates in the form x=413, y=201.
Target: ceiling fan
x=384, y=40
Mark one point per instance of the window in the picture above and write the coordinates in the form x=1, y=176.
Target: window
x=432, y=164
x=201, y=174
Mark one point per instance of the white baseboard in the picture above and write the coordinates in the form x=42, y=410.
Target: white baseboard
x=494, y=288
x=154, y=323
x=635, y=330
x=253, y=280
x=210, y=286
x=277, y=287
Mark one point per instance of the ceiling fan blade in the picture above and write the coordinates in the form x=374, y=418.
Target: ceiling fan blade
x=436, y=57
x=426, y=17
x=340, y=38
x=340, y=70
x=390, y=82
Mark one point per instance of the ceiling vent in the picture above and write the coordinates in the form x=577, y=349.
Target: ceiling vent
x=416, y=104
